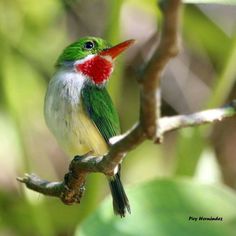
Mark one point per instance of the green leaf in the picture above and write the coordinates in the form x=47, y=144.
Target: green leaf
x=163, y=207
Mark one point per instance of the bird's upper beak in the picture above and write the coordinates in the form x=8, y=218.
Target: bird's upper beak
x=113, y=52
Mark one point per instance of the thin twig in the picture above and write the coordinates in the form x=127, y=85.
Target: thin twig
x=167, y=124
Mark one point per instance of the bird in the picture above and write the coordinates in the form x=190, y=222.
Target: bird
x=78, y=109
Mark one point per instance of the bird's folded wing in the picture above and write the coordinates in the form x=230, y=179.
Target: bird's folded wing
x=99, y=107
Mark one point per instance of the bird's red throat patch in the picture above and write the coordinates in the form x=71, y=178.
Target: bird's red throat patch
x=98, y=69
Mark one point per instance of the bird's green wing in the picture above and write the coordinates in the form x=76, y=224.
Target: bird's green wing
x=99, y=107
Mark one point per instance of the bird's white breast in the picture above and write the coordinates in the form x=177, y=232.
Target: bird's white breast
x=66, y=118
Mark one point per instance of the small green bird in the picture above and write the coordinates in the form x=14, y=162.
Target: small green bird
x=78, y=109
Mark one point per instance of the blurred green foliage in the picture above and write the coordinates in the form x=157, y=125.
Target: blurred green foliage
x=32, y=35
x=157, y=216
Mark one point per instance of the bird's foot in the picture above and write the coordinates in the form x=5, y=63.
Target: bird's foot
x=72, y=195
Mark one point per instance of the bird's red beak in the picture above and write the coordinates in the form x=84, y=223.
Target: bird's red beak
x=113, y=52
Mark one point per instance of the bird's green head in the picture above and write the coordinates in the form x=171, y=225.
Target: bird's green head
x=92, y=57
x=82, y=48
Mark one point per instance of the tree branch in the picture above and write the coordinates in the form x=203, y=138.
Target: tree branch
x=150, y=125
x=150, y=81
x=167, y=124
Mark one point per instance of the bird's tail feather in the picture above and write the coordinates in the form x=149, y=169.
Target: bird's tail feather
x=120, y=200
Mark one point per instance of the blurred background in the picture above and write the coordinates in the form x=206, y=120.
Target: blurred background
x=189, y=162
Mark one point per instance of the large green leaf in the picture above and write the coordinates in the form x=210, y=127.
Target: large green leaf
x=163, y=207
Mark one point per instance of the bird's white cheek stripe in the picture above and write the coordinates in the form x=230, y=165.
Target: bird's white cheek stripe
x=108, y=58
x=87, y=58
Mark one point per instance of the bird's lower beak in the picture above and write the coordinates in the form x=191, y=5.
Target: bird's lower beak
x=113, y=52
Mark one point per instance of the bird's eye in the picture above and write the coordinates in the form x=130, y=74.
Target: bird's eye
x=89, y=45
